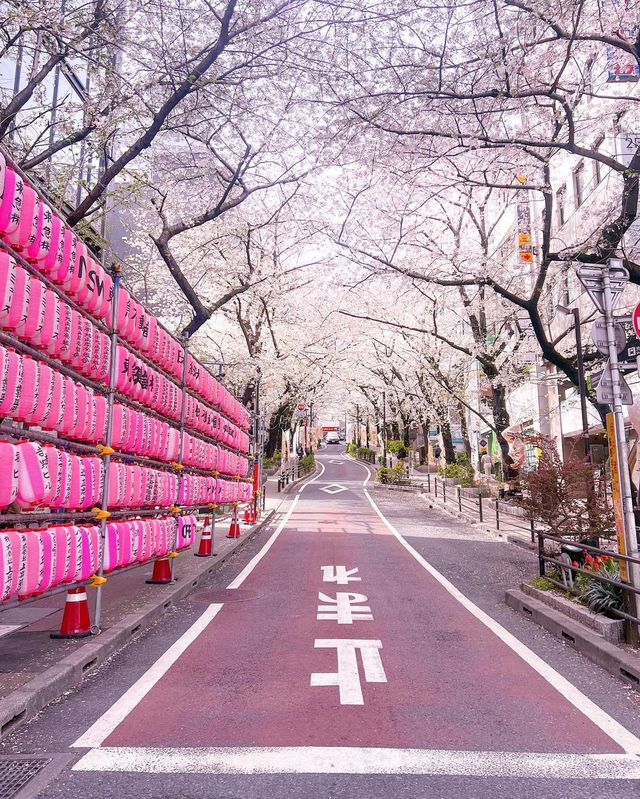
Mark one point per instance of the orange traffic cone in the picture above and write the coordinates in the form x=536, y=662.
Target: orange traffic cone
x=204, y=550
x=161, y=574
x=76, y=622
x=234, y=527
x=247, y=515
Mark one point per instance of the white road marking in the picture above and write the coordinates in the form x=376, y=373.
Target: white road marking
x=334, y=488
x=366, y=468
x=358, y=760
x=257, y=558
x=340, y=575
x=599, y=717
x=107, y=723
x=347, y=678
x=343, y=608
x=313, y=479
x=6, y=629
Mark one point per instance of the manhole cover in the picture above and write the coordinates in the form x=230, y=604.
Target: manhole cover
x=15, y=774
x=225, y=595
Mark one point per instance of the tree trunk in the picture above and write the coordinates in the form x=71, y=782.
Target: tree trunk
x=424, y=452
x=447, y=443
x=279, y=421
x=501, y=420
x=465, y=432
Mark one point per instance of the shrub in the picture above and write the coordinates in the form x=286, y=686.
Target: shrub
x=598, y=596
x=307, y=461
x=352, y=448
x=267, y=463
x=560, y=494
x=395, y=444
x=391, y=475
x=461, y=472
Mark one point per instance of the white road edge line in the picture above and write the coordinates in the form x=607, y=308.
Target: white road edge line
x=358, y=760
x=107, y=723
x=313, y=479
x=257, y=558
x=360, y=463
x=599, y=717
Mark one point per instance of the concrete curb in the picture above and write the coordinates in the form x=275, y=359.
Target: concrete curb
x=611, y=630
x=622, y=663
x=23, y=703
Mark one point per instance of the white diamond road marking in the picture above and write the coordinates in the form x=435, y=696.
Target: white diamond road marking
x=334, y=488
x=337, y=463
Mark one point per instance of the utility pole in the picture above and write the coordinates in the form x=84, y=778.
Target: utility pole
x=581, y=384
x=384, y=428
x=582, y=390
x=257, y=446
x=631, y=541
x=605, y=284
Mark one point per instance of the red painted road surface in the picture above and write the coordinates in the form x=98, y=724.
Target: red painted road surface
x=451, y=682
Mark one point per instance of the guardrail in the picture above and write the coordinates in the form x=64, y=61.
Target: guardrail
x=487, y=510
x=571, y=560
x=293, y=472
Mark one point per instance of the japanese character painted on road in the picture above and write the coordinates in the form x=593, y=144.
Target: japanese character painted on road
x=342, y=610
x=347, y=677
x=339, y=574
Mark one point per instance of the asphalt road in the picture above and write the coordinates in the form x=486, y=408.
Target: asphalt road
x=358, y=647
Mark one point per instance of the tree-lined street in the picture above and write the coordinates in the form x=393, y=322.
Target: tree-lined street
x=319, y=399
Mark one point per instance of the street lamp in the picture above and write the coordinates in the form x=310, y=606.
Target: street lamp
x=575, y=312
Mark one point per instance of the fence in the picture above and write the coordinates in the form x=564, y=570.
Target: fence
x=569, y=558
x=292, y=471
x=487, y=510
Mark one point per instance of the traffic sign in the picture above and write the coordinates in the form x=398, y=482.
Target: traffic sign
x=604, y=389
x=635, y=319
x=629, y=355
x=600, y=339
x=591, y=277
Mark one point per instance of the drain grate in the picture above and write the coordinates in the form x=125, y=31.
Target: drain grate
x=16, y=773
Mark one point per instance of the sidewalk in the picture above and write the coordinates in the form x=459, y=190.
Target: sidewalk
x=36, y=669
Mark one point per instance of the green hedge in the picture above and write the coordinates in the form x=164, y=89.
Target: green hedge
x=307, y=461
x=390, y=475
x=459, y=471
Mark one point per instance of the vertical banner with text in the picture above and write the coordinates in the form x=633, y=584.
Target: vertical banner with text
x=617, y=495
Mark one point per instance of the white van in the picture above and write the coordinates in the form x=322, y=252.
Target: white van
x=332, y=438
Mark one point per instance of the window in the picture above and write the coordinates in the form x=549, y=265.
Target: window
x=560, y=217
x=597, y=166
x=578, y=184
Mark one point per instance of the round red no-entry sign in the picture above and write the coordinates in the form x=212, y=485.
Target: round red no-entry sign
x=636, y=319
